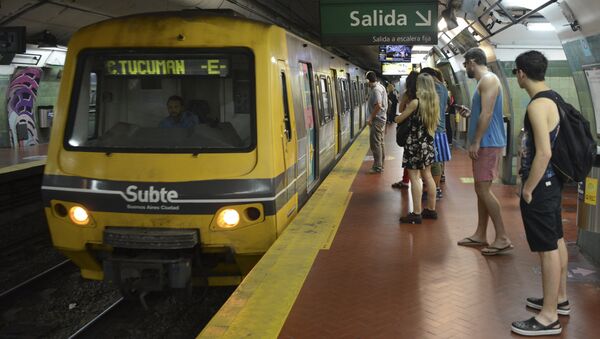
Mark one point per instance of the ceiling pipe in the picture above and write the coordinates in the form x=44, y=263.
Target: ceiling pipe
x=520, y=19
x=514, y=21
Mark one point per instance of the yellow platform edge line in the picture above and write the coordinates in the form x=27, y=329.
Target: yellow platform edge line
x=260, y=305
x=22, y=166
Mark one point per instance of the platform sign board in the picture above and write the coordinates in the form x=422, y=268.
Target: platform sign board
x=380, y=22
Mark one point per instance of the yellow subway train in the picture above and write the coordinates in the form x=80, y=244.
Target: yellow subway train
x=184, y=143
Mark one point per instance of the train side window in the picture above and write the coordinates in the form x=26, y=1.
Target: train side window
x=326, y=100
x=319, y=101
x=308, y=97
x=345, y=95
x=354, y=94
x=286, y=108
x=340, y=95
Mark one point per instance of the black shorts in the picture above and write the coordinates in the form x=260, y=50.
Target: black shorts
x=542, y=216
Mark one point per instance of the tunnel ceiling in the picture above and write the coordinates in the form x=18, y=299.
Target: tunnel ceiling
x=63, y=17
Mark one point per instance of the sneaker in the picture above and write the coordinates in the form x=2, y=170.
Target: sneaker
x=532, y=327
x=376, y=170
x=429, y=214
x=411, y=218
x=562, y=308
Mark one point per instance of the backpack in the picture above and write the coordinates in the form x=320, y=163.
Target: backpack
x=574, y=150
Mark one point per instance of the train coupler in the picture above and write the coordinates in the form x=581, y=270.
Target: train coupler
x=144, y=274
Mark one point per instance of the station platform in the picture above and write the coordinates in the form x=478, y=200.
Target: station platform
x=23, y=161
x=346, y=267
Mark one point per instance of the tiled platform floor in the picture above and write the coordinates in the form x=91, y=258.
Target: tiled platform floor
x=381, y=279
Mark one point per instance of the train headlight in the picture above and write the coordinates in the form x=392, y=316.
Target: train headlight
x=79, y=215
x=228, y=218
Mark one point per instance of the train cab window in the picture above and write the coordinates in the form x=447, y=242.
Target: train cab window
x=171, y=102
x=286, y=108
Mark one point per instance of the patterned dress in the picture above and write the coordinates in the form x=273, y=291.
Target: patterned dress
x=418, y=152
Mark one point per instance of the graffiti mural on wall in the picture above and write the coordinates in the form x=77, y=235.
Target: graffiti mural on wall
x=21, y=95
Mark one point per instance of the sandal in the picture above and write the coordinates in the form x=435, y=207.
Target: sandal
x=532, y=327
x=493, y=250
x=468, y=241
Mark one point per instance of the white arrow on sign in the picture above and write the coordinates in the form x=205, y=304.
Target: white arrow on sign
x=426, y=21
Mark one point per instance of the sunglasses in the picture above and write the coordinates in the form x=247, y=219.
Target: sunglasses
x=514, y=71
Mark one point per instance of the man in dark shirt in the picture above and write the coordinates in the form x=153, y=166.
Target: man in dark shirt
x=541, y=199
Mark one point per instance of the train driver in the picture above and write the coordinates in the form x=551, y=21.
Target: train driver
x=177, y=116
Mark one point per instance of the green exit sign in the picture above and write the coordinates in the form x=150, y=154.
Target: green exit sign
x=358, y=22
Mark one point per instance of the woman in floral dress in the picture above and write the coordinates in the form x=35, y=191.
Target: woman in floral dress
x=419, y=153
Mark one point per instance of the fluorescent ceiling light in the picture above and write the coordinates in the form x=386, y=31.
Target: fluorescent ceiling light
x=442, y=25
x=540, y=26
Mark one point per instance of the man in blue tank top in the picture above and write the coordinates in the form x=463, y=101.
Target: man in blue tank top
x=541, y=199
x=486, y=140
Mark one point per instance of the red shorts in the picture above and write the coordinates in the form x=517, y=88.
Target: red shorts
x=485, y=168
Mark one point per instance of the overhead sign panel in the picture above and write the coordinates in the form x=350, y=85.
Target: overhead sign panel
x=359, y=22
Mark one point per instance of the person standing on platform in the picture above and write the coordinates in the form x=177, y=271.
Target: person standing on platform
x=442, y=149
x=541, y=198
x=419, y=154
x=486, y=139
x=393, y=102
x=410, y=93
x=378, y=103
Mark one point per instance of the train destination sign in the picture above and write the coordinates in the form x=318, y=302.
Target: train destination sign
x=359, y=22
x=145, y=67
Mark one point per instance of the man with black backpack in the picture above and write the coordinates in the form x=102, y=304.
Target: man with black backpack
x=541, y=196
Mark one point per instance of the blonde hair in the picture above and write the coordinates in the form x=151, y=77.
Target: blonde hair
x=429, y=103
x=390, y=88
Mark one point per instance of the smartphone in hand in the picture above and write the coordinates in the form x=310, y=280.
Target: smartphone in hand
x=463, y=110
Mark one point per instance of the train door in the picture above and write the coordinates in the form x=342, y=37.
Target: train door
x=288, y=138
x=336, y=112
x=308, y=100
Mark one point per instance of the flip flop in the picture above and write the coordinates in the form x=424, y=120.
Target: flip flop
x=470, y=242
x=492, y=250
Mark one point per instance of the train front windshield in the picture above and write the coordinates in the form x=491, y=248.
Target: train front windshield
x=173, y=101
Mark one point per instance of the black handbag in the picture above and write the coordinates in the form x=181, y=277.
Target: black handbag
x=402, y=130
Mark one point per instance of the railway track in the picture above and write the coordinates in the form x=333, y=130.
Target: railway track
x=34, y=278
x=167, y=314
x=90, y=323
